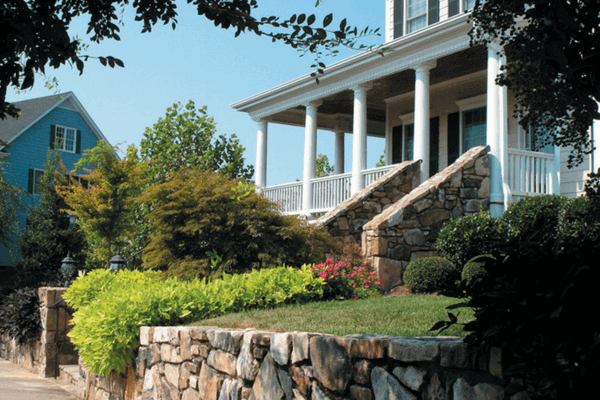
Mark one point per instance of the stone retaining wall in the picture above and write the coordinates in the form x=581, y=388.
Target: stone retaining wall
x=43, y=355
x=347, y=219
x=208, y=363
x=409, y=228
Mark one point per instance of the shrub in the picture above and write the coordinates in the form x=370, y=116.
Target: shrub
x=474, y=271
x=463, y=238
x=20, y=315
x=578, y=220
x=204, y=224
x=110, y=308
x=430, y=274
x=535, y=218
x=342, y=283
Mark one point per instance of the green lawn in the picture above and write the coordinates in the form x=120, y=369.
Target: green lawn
x=394, y=316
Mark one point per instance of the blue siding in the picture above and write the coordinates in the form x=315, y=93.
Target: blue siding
x=29, y=151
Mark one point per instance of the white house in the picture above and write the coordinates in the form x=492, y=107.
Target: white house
x=431, y=96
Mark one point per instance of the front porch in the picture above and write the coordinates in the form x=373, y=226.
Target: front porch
x=528, y=173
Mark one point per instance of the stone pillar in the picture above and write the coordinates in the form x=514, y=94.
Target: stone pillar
x=421, y=143
x=261, y=155
x=359, y=136
x=339, y=152
x=310, y=155
x=496, y=130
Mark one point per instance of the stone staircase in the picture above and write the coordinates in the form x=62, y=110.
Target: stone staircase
x=70, y=378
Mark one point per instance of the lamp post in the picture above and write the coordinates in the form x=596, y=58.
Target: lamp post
x=117, y=262
x=68, y=267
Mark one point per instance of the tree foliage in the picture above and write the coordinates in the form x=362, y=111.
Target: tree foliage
x=35, y=32
x=48, y=235
x=104, y=209
x=11, y=205
x=185, y=138
x=204, y=224
x=553, y=51
x=323, y=168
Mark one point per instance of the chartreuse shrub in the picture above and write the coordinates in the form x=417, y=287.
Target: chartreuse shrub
x=110, y=308
x=430, y=274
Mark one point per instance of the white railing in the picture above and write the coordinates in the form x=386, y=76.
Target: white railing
x=287, y=195
x=531, y=173
x=329, y=191
x=371, y=175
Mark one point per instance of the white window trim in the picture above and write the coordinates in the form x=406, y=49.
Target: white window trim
x=63, y=148
x=467, y=104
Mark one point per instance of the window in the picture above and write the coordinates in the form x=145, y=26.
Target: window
x=473, y=128
x=416, y=15
x=65, y=139
x=533, y=140
x=412, y=15
x=33, y=184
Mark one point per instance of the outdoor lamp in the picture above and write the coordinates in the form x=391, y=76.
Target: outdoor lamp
x=117, y=262
x=68, y=266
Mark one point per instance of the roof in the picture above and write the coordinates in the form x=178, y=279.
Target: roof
x=35, y=109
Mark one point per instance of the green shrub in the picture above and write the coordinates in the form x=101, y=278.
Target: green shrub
x=430, y=274
x=474, y=270
x=340, y=282
x=578, y=220
x=110, y=308
x=535, y=218
x=204, y=224
x=463, y=238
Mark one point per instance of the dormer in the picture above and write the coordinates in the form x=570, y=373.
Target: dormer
x=404, y=17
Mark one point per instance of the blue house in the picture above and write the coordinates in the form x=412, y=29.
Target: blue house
x=56, y=122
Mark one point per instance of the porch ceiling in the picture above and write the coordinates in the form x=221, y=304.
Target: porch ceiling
x=337, y=109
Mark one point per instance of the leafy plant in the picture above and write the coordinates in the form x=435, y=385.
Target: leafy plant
x=110, y=308
x=20, y=315
x=463, y=238
x=196, y=213
x=430, y=274
x=474, y=271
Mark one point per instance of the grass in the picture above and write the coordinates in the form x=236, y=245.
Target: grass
x=393, y=316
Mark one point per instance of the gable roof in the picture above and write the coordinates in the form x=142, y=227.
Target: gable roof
x=35, y=109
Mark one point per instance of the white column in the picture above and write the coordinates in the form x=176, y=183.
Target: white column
x=421, y=138
x=338, y=163
x=310, y=155
x=359, y=136
x=496, y=130
x=388, y=136
x=260, y=175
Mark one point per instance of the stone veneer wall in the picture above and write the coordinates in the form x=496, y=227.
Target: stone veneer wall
x=409, y=228
x=208, y=363
x=43, y=355
x=348, y=218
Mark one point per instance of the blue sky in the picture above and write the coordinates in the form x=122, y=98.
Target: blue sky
x=210, y=66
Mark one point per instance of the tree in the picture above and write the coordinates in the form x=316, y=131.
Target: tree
x=553, y=51
x=104, y=210
x=35, y=33
x=185, y=139
x=322, y=166
x=49, y=234
x=204, y=224
x=11, y=205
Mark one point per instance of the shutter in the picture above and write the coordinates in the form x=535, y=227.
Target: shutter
x=30, y=181
x=434, y=12
x=434, y=145
x=453, y=7
x=398, y=18
x=397, y=144
x=52, y=135
x=453, y=137
x=78, y=143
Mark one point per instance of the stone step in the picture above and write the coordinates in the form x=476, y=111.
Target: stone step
x=72, y=380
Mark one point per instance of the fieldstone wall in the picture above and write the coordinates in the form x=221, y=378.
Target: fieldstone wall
x=43, y=355
x=408, y=229
x=208, y=363
x=347, y=219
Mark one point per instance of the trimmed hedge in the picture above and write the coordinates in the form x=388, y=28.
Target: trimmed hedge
x=430, y=274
